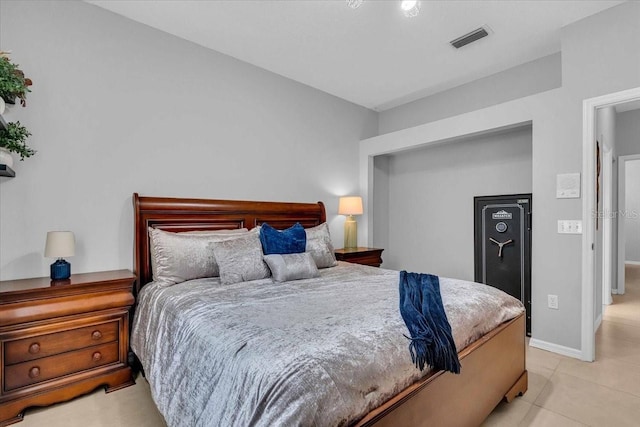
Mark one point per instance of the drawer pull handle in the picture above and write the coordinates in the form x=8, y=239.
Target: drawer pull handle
x=96, y=335
x=97, y=356
x=34, y=372
x=34, y=348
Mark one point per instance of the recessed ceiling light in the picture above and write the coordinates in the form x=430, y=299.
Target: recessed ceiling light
x=410, y=8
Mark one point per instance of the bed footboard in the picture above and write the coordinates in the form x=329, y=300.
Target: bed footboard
x=493, y=368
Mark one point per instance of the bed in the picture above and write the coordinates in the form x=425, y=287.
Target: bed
x=493, y=365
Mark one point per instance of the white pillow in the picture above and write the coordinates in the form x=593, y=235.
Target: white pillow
x=288, y=267
x=178, y=257
x=240, y=259
x=320, y=247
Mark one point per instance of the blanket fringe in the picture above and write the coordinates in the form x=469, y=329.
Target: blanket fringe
x=423, y=312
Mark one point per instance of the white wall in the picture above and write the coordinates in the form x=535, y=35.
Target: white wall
x=632, y=208
x=527, y=79
x=434, y=186
x=600, y=55
x=381, y=207
x=118, y=107
x=628, y=133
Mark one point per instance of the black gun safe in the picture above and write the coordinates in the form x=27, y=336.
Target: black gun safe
x=502, y=236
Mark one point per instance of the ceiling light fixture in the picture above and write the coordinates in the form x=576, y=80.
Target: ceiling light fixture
x=354, y=4
x=410, y=8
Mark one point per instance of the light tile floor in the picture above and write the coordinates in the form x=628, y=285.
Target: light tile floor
x=567, y=392
x=562, y=391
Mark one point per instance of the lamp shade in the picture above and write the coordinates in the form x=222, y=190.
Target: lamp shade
x=351, y=205
x=60, y=244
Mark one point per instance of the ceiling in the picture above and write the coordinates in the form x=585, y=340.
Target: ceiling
x=373, y=56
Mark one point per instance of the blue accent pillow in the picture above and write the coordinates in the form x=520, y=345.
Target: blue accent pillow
x=293, y=240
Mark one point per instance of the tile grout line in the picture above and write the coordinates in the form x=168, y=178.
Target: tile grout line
x=606, y=319
x=557, y=413
x=635, y=396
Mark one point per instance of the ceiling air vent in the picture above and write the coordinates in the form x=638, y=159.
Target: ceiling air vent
x=474, y=35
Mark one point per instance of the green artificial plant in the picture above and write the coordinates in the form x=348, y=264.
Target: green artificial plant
x=13, y=83
x=13, y=139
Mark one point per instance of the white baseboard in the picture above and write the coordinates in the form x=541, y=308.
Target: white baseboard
x=598, y=322
x=556, y=348
x=632, y=262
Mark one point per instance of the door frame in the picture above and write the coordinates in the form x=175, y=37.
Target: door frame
x=589, y=107
x=607, y=224
x=622, y=203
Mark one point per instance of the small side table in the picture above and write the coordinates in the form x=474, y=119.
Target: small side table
x=364, y=256
x=59, y=340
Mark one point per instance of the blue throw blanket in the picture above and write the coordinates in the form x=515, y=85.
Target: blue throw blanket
x=422, y=310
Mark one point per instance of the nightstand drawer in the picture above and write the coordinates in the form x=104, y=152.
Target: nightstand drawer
x=35, y=371
x=59, y=342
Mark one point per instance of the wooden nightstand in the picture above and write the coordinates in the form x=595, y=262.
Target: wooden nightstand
x=59, y=340
x=365, y=256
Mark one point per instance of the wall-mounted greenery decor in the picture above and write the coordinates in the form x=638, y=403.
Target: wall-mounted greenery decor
x=13, y=139
x=13, y=84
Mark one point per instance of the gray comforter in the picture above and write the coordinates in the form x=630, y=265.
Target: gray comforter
x=316, y=352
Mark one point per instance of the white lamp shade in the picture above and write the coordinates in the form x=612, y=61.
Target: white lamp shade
x=60, y=244
x=351, y=205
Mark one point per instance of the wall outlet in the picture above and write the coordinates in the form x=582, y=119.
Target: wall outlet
x=552, y=301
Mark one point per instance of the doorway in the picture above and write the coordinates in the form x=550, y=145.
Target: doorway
x=624, y=312
x=590, y=289
x=627, y=215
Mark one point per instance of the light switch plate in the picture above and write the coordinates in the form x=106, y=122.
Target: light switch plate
x=570, y=226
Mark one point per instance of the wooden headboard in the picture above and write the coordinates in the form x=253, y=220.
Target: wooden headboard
x=172, y=214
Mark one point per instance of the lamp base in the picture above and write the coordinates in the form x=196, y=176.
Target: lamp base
x=350, y=233
x=60, y=270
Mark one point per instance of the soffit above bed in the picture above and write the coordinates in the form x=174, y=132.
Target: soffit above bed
x=373, y=56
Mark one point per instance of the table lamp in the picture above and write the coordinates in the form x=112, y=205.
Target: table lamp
x=350, y=206
x=60, y=244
